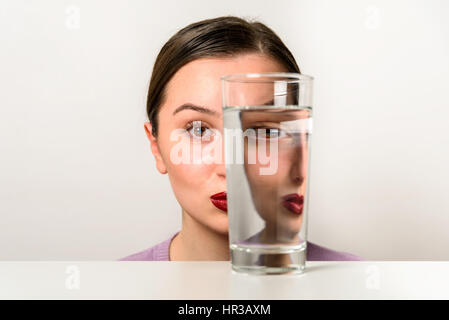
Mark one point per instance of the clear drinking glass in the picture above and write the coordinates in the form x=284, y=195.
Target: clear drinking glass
x=267, y=121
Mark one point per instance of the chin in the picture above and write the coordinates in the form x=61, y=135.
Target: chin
x=221, y=229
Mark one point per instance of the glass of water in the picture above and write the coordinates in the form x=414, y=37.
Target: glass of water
x=267, y=120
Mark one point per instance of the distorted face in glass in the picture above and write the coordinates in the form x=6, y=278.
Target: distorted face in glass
x=276, y=160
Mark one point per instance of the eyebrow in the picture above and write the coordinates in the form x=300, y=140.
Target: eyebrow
x=189, y=106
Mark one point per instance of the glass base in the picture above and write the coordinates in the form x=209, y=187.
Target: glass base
x=268, y=260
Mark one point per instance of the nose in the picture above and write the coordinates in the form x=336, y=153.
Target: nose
x=299, y=161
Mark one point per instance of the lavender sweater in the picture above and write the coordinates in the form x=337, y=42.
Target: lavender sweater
x=160, y=252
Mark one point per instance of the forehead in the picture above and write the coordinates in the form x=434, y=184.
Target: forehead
x=199, y=81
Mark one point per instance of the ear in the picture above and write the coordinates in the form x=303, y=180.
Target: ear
x=160, y=164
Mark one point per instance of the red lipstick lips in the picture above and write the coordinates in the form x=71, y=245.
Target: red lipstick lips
x=293, y=202
x=220, y=201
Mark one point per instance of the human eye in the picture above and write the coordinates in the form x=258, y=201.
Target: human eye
x=268, y=133
x=198, y=130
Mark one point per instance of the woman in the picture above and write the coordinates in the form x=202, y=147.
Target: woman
x=185, y=94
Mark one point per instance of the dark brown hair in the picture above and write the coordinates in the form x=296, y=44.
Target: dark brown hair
x=219, y=37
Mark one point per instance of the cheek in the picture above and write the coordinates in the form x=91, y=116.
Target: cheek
x=188, y=180
x=190, y=175
x=269, y=181
x=183, y=183
x=190, y=184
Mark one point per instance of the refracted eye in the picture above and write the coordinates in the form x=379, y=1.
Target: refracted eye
x=269, y=133
x=198, y=131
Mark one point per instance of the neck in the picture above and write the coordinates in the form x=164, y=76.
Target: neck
x=197, y=242
x=271, y=234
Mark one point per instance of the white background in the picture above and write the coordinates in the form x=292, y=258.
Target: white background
x=77, y=177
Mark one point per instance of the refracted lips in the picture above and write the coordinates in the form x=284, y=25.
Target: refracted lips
x=293, y=202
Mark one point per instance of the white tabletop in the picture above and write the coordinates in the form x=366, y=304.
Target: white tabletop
x=216, y=280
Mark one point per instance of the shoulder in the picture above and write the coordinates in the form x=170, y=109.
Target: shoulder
x=319, y=253
x=159, y=252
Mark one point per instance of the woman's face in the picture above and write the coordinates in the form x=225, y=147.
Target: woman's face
x=194, y=178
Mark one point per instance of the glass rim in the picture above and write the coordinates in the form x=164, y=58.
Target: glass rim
x=290, y=77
